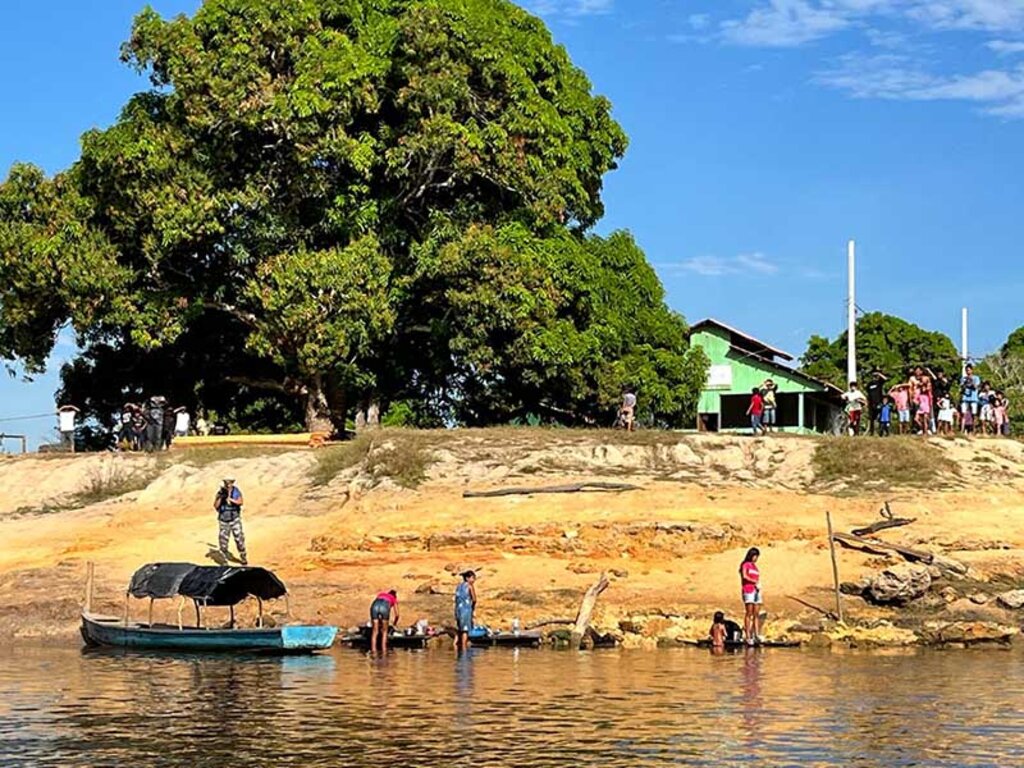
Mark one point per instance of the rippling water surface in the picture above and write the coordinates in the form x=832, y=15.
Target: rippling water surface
x=63, y=707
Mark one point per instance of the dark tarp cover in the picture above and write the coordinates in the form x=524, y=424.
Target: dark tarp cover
x=209, y=584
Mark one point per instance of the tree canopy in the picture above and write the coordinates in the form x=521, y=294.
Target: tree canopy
x=888, y=343
x=334, y=201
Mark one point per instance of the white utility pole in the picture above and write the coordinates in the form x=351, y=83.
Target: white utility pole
x=851, y=315
x=963, y=342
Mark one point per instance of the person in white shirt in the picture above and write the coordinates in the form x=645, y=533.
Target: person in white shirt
x=66, y=416
x=855, y=402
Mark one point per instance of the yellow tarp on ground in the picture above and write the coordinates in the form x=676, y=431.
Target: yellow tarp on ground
x=196, y=440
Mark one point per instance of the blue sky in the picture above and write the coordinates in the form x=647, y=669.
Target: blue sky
x=764, y=134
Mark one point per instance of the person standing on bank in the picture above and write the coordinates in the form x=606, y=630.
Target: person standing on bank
x=465, y=605
x=383, y=613
x=228, y=504
x=750, y=581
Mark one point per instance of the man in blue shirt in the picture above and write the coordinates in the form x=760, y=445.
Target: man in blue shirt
x=229, y=518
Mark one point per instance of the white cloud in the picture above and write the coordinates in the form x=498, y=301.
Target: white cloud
x=717, y=266
x=790, y=23
x=1005, y=47
x=784, y=24
x=999, y=91
x=571, y=8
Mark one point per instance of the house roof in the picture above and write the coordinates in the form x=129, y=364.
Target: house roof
x=830, y=388
x=746, y=342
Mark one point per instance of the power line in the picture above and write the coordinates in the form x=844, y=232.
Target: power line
x=28, y=418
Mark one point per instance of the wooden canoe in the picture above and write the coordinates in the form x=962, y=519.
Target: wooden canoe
x=114, y=632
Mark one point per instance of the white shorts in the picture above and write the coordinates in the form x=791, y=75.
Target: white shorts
x=752, y=598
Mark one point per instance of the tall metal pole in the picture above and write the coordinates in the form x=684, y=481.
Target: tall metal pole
x=851, y=315
x=963, y=342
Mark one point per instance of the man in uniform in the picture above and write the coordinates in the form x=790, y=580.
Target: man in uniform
x=229, y=517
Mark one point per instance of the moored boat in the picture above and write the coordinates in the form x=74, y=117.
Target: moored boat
x=205, y=586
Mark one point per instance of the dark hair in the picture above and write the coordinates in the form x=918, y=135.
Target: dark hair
x=755, y=391
x=393, y=593
x=719, y=617
x=749, y=557
x=467, y=575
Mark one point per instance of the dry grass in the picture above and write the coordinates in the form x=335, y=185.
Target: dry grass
x=401, y=455
x=872, y=462
x=113, y=481
x=204, y=455
x=335, y=459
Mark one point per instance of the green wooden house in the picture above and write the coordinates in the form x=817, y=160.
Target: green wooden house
x=738, y=364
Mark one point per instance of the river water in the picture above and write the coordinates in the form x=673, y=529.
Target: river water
x=64, y=707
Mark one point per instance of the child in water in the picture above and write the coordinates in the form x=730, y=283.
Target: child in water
x=718, y=631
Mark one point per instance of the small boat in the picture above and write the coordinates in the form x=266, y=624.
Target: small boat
x=481, y=636
x=415, y=641
x=205, y=586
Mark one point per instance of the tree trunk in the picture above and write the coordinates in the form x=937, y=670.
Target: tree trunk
x=318, y=412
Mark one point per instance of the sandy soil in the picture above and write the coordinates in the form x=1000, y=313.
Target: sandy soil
x=672, y=546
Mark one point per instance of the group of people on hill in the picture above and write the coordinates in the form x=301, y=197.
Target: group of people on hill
x=927, y=403
x=151, y=425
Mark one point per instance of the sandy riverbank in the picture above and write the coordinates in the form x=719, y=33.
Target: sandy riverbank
x=338, y=525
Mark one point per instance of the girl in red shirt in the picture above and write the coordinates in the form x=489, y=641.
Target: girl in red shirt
x=750, y=583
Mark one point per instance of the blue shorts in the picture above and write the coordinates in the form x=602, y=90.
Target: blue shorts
x=380, y=610
x=904, y=417
x=769, y=417
x=755, y=422
x=753, y=598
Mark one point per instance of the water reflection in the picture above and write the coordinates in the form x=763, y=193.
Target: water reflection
x=59, y=707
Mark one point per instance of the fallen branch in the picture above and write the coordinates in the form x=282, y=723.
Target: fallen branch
x=881, y=525
x=824, y=612
x=587, y=609
x=876, y=547
x=572, y=488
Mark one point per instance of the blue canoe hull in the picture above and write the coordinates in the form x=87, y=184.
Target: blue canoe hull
x=102, y=631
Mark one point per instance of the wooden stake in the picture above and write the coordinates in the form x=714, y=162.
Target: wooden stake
x=232, y=609
x=181, y=607
x=127, y=597
x=835, y=567
x=259, y=619
x=199, y=616
x=151, y=613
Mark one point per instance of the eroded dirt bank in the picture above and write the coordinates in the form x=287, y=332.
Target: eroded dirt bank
x=339, y=525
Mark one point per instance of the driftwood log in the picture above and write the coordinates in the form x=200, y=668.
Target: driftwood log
x=876, y=547
x=823, y=611
x=571, y=488
x=582, y=623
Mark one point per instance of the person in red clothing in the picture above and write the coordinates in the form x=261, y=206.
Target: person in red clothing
x=750, y=581
x=383, y=613
x=756, y=411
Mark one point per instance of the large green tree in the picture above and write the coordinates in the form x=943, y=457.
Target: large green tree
x=359, y=199
x=888, y=343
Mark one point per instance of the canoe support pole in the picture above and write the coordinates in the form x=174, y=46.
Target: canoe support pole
x=199, y=616
x=151, y=612
x=89, y=568
x=181, y=607
x=127, y=598
x=232, y=609
x=259, y=618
